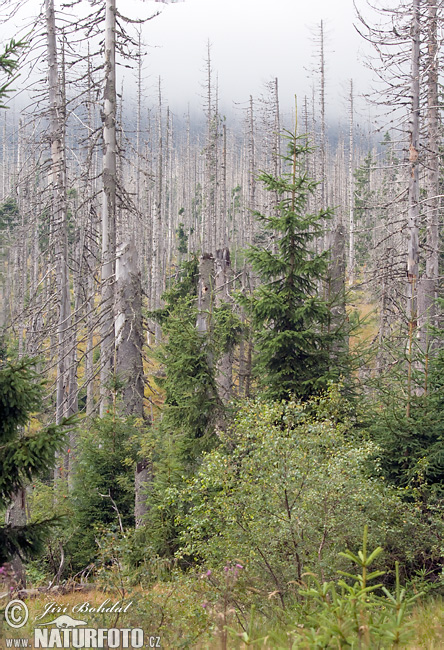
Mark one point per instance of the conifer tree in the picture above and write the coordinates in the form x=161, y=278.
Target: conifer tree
x=23, y=457
x=292, y=323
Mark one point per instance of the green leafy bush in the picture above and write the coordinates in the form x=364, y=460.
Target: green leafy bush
x=286, y=490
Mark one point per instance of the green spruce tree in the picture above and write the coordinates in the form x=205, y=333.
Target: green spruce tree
x=292, y=323
x=177, y=440
x=23, y=454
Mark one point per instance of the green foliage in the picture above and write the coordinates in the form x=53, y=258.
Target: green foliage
x=8, y=213
x=103, y=493
x=50, y=499
x=191, y=407
x=183, y=288
x=276, y=493
x=351, y=613
x=28, y=540
x=20, y=395
x=190, y=393
x=8, y=65
x=411, y=448
x=182, y=237
x=191, y=400
x=290, y=320
x=227, y=328
x=23, y=456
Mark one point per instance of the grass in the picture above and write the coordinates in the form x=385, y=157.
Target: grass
x=175, y=613
x=428, y=624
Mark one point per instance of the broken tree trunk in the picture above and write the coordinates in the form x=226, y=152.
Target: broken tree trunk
x=224, y=373
x=129, y=361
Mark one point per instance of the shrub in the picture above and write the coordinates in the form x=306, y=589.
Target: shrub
x=286, y=490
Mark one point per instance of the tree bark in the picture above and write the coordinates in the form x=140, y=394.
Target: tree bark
x=224, y=374
x=109, y=176
x=413, y=194
x=129, y=361
x=128, y=329
x=351, y=198
x=16, y=516
x=428, y=285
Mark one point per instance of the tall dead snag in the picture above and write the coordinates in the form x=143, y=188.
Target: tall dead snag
x=128, y=328
x=413, y=193
x=157, y=244
x=109, y=178
x=65, y=401
x=224, y=375
x=249, y=226
x=428, y=285
x=322, y=110
x=129, y=363
x=351, y=197
x=211, y=163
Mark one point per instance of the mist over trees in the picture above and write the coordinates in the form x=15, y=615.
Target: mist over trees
x=240, y=318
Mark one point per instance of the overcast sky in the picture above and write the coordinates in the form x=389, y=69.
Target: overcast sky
x=253, y=41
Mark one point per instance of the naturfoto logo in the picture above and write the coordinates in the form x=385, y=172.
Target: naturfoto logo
x=70, y=632
x=65, y=631
x=78, y=637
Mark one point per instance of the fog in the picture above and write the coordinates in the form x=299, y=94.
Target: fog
x=252, y=42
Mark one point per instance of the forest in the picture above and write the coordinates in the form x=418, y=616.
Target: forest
x=221, y=347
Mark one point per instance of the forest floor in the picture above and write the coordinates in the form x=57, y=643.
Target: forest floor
x=171, y=618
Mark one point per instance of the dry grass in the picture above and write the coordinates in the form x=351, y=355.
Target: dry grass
x=428, y=625
x=427, y=618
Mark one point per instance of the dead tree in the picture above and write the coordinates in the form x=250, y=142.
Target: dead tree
x=222, y=280
x=109, y=178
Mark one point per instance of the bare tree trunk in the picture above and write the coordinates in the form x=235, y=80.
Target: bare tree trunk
x=129, y=363
x=251, y=175
x=245, y=348
x=66, y=403
x=277, y=133
x=222, y=237
x=143, y=476
x=91, y=226
x=59, y=208
x=224, y=376
x=16, y=516
x=128, y=329
x=157, y=242
x=351, y=198
x=323, y=179
x=109, y=204
x=209, y=208
x=4, y=160
x=428, y=285
x=413, y=193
